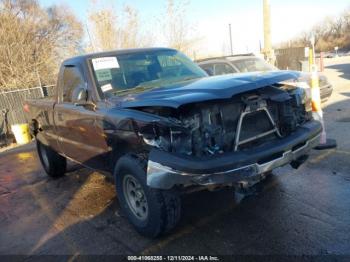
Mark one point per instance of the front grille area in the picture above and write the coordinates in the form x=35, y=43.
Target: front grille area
x=254, y=124
x=240, y=123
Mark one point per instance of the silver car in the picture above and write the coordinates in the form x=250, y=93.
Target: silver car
x=250, y=63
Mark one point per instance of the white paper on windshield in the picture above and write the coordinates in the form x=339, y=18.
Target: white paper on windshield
x=105, y=63
x=106, y=88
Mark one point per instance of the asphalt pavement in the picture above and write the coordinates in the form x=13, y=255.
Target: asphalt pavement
x=297, y=212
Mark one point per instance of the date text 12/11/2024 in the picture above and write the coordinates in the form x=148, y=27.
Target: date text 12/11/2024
x=173, y=258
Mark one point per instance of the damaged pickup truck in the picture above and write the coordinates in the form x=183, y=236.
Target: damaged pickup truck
x=161, y=126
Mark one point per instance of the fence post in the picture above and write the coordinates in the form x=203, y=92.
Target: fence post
x=321, y=62
x=42, y=91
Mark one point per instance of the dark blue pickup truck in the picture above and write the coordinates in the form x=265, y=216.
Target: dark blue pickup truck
x=154, y=120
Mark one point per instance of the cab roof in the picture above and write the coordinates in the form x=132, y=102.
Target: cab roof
x=82, y=58
x=228, y=58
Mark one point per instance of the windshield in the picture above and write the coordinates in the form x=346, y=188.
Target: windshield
x=252, y=65
x=126, y=73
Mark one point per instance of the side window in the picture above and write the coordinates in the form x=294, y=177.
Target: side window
x=223, y=69
x=208, y=68
x=72, y=80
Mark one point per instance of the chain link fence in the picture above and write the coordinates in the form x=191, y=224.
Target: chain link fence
x=11, y=105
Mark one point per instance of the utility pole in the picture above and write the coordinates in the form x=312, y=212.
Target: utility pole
x=194, y=56
x=230, y=32
x=260, y=48
x=268, y=52
x=88, y=32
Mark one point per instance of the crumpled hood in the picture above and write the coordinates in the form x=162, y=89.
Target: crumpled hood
x=203, y=89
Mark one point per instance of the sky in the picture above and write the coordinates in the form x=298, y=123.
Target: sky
x=209, y=19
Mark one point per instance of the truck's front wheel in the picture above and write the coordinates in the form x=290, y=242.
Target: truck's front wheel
x=54, y=164
x=151, y=211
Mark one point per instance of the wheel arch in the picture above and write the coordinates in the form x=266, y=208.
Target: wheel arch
x=140, y=157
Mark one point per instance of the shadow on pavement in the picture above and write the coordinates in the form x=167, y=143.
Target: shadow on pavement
x=342, y=68
x=298, y=212
x=346, y=94
x=339, y=112
x=113, y=235
x=32, y=204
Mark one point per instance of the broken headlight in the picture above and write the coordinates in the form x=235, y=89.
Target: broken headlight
x=180, y=141
x=154, y=135
x=171, y=139
x=303, y=94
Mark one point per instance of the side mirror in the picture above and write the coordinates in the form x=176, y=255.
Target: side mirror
x=79, y=95
x=87, y=105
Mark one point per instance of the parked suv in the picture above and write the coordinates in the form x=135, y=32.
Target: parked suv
x=250, y=63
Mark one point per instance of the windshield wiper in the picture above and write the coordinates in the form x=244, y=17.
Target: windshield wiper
x=147, y=86
x=130, y=90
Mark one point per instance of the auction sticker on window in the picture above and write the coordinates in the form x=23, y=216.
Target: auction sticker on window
x=105, y=63
x=106, y=88
x=104, y=75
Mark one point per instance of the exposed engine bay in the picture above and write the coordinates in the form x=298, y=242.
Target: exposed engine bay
x=247, y=120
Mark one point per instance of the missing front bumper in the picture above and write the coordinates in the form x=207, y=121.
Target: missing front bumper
x=249, y=167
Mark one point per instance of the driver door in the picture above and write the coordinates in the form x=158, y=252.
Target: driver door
x=75, y=123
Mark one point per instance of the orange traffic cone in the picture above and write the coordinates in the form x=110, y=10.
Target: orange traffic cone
x=317, y=112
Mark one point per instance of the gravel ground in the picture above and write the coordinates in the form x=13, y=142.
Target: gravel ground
x=298, y=212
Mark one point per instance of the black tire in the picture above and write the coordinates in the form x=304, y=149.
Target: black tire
x=53, y=163
x=164, y=206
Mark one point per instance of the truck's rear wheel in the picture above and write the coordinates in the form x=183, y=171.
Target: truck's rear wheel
x=53, y=163
x=151, y=211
